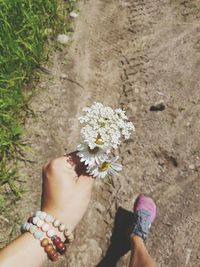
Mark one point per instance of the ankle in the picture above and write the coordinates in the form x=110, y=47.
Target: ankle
x=136, y=241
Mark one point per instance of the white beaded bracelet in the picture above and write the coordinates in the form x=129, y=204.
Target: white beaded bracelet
x=41, y=219
x=33, y=229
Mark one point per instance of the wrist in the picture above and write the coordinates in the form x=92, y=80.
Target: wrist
x=62, y=230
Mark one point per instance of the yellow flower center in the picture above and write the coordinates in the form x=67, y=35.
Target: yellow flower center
x=94, y=150
x=104, y=166
x=99, y=141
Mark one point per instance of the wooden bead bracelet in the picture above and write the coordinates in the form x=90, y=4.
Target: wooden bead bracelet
x=39, y=225
x=38, y=234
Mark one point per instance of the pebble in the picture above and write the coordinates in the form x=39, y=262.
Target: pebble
x=159, y=106
x=191, y=167
x=63, y=38
x=73, y=14
x=63, y=76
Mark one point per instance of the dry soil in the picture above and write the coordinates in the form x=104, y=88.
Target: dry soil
x=137, y=55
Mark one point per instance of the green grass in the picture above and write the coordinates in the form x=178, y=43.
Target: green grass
x=23, y=28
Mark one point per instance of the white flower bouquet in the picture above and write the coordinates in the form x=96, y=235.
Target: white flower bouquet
x=102, y=132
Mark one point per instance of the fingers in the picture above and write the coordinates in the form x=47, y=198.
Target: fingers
x=68, y=167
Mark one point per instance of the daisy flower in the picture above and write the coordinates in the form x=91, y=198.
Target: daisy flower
x=105, y=168
x=90, y=155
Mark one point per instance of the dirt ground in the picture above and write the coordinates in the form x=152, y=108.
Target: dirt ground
x=131, y=54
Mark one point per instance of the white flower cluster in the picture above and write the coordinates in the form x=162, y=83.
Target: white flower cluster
x=107, y=123
x=103, y=130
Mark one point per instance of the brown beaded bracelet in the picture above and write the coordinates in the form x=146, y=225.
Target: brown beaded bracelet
x=42, y=220
x=49, y=249
x=60, y=246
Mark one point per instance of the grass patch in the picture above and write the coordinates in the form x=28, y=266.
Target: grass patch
x=24, y=25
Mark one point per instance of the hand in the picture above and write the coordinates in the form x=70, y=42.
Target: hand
x=66, y=189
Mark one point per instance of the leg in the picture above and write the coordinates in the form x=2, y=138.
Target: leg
x=139, y=254
x=145, y=211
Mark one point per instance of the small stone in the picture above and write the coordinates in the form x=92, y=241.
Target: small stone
x=191, y=167
x=63, y=76
x=73, y=14
x=159, y=106
x=62, y=38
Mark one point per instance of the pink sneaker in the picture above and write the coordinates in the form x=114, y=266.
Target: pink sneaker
x=145, y=211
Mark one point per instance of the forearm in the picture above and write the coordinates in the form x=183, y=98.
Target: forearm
x=25, y=250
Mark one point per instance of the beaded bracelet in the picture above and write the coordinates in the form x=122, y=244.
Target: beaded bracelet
x=38, y=234
x=49, y=249
x=39, y=225
x=44, y=227
x=41, y=217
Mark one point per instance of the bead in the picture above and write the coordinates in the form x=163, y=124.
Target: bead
x=61, y=248
x=50, y=233
x=66, y=233
x=54, y=237
x=60, y=245
x=32, y=229
x=42, y=215
x=35, y=220
x=57, y=240
x=40, y=223
x=62, y=251
x=44, y=242
x=70, y=238
x=48, y=248
x=49, y=218
x=45, y=227
x=37, y=214
x=52, y=253
x=38, y=234
x=23, y=228
x=56, y=223
x=54, y=257
x=27, y=226
x=30, y=220
x=61, y=227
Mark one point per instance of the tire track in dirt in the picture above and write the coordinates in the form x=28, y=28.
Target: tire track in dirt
x=166, y=182
x=122, y=52
x=133, y=54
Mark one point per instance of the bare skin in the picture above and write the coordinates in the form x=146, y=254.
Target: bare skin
x=139, y=254
x=66, y=194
